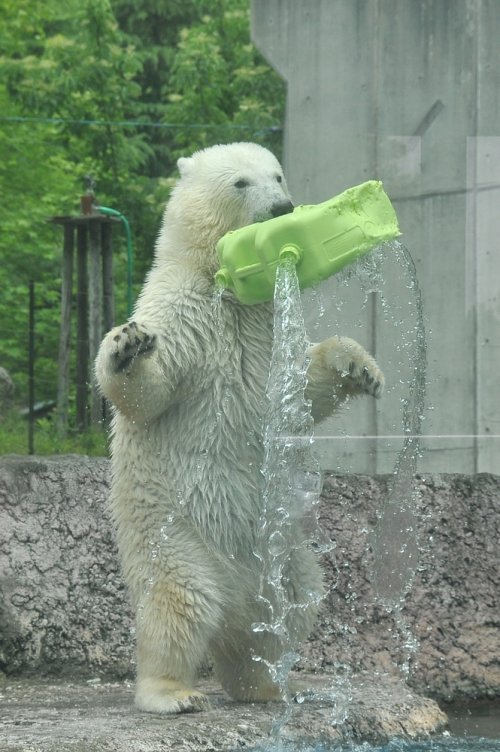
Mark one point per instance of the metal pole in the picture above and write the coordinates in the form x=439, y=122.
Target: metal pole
x=107, y=277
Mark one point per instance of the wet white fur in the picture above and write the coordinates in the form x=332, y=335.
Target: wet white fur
x=186, y=447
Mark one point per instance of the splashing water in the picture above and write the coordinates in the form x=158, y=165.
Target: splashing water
x=388, y=271
x=445, y=744
x=394, y=542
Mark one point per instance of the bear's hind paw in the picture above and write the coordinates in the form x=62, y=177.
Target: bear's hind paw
x=169, y=697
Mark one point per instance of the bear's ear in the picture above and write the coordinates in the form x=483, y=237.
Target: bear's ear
x=185, y=165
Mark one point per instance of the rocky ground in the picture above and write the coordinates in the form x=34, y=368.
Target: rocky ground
x=66, y=630
x=96, y=717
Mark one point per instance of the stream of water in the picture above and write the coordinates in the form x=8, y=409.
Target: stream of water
x=291, y=475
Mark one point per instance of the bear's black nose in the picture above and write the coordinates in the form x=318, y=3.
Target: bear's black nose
x=284, y=207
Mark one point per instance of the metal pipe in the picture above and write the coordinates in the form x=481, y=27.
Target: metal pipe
x=107, y=211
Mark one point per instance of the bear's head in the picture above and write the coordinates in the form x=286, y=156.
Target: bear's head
x=221, y=188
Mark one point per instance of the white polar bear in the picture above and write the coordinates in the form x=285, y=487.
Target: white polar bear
x=188, y=382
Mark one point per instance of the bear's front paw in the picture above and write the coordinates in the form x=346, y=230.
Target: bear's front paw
x=366, y=376
x=356, y=367
x=127, y=343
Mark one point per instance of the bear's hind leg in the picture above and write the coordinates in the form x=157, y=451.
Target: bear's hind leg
x=241, y=666
x=245, y=659
x=174, y=624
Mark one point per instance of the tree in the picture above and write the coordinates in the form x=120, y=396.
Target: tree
x=221, y=85
x=117, y=90
x=74, y=76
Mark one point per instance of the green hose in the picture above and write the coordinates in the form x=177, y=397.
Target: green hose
x=130, y=257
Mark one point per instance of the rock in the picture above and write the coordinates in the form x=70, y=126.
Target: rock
x=64, y=606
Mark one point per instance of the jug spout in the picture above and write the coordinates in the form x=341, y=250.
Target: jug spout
x=290, y=253
x=223, y=278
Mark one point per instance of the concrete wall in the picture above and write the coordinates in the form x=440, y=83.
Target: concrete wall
x=406, y=91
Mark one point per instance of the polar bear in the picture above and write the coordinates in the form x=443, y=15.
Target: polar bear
x=187, y=381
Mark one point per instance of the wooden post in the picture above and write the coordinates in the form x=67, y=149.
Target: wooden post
x=95, y=284
x=82, y=345
x=94, y=313
x=65, y=335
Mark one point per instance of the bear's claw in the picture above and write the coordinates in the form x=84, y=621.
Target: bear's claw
x=130, y=341
x=352, y=363
x=194, y=702
x=369, y=378
x=169, y=697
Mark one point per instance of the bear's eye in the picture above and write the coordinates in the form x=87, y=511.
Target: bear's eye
x=279, y=178
x=241, y=184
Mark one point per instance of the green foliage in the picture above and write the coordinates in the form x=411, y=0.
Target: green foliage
x=14, y=438
x=245, y=105
x=35, y=182
x=72, y=74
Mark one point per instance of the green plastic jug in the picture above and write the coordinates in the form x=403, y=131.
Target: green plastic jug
x=320, y=239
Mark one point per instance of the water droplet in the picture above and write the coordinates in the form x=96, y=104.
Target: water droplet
x=277, y=543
